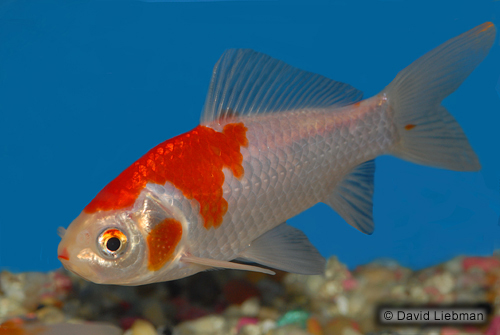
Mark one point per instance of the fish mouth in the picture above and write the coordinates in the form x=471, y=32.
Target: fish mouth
x=64, y=255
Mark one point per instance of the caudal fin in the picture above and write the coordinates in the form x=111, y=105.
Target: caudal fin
x=429, y=133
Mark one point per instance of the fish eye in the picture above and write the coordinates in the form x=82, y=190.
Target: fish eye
x=113, y=242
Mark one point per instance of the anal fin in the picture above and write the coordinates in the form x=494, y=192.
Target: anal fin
x=285, y=248
x=353, y=197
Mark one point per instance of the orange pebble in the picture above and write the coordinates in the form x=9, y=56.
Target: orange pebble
x=314, y=327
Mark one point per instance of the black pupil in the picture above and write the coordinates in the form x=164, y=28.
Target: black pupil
x=113, y=244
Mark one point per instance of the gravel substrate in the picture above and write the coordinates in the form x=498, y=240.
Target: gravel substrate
x=236, y=302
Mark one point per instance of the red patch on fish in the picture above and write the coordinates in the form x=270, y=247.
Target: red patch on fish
x=162, y=241
x=192, y=162
x=410, y=126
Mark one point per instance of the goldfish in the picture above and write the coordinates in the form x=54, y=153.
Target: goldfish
x=273, y=141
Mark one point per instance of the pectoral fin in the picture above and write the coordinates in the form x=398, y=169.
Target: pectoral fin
x=285, y=248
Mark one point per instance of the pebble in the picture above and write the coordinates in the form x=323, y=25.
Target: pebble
x=153, y=311
x=250, y=329
x=449, y=331
x=494, y=327
x=443, y=282
x=339, y=325
x=250, y=307
x=291, y=317
x=141, y=327
x=268, y=313
x=350, y=331
x=340, y=302
x=267, y=325
x=485, y=264
x=50, y=315
x=245, y=321
x=296, y=284
x=314, y=327
x=23, y=292
x=19, y=327
x=207, y=325
x=288, y=330
x=233, y=311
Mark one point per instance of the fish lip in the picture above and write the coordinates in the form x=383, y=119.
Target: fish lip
x=63, y=255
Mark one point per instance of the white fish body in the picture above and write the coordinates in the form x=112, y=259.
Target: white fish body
x=292, y=162
x=283, y=140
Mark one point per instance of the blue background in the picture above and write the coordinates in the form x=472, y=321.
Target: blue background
x=87, y=87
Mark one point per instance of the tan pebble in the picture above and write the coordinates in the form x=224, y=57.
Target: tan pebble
x=357, y=303
x=86, y=328
x=207, y=325
x=337, y=326
x=143, y=327
x=250, y=330
x=233, y=311
x=10, y=308
x=50, y=315
x=267, y=325
x=303, y=284
x=350, y=331
x=314, y=284
x=330, y=289
x=418, y=295
x=378, y=275
x=268, y=313
x=443, y=282
x=250, y=307
x=86, y=311
x=398, y=292
x=455, y=265
x=288, y=330
x=335, y=269
x=46, y=301
x=154, y=313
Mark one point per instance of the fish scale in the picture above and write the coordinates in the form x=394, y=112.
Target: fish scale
x=317, y=163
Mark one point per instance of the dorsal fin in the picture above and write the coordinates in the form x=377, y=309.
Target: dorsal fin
x=250, y=82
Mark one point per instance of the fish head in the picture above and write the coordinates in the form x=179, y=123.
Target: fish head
x=102, y=247
x=131, y=246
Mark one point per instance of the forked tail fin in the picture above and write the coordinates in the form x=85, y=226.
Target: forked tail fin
x=429, y=134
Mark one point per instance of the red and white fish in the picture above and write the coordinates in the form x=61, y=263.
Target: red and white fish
x=273, y=141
